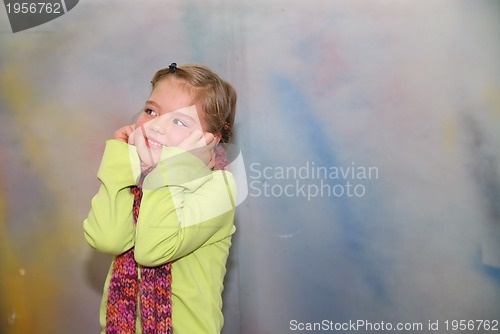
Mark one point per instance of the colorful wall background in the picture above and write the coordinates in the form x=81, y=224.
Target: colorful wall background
x=403, y=97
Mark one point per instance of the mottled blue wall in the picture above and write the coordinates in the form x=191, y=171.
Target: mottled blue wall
x=401, y=97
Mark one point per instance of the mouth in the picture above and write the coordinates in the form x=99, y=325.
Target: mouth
x=153, y=144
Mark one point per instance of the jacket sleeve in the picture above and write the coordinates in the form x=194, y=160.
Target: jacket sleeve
x=109, y=226
x=184, y=206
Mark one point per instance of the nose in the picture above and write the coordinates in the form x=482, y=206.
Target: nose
x=157, y=126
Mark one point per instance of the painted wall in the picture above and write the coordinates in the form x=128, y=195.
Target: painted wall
x=369, y=131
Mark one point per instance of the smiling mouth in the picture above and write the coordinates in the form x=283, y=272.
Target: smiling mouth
x=153, y=144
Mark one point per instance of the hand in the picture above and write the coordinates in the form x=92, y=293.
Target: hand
x=201, y=144
x=149, y=157
x=123, y=134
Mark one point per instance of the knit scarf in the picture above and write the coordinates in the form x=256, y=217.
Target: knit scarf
x=153, y=287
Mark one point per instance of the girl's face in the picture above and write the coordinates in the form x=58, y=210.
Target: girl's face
x=169, y=115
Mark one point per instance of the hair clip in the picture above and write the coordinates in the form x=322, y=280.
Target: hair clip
x=172, y=68
x=225, y=126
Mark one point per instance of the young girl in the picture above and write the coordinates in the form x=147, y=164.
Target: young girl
x=166, y=208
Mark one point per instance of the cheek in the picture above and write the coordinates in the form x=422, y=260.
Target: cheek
x=143, y=119
x=176, y=135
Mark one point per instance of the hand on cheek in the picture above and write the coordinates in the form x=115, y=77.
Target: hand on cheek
x=201, y=144
x=123, y=134
x=149, y=158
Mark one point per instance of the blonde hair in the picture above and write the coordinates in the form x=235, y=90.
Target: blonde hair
x=216, y=97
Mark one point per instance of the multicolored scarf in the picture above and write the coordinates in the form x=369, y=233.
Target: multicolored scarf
x=154, y=286
x=154, y=289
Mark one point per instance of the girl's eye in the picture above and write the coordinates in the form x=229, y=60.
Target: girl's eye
x=151, y=112
x=179, y=122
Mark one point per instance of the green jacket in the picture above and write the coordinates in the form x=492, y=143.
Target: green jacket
x=186, y=217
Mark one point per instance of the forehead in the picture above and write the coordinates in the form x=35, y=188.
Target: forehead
x=172, y=94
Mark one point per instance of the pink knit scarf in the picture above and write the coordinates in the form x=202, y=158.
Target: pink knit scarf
x=154, y=289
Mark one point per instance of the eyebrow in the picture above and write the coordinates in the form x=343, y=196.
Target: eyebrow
x=153, y=103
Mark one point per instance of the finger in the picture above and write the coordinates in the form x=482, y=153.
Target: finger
x=211, y=151
x=194, y=140
x=209, y=137
x=144, y=136
x=198, y=136
x=123, y=133
x=212, y=144
x=211, y=163
x=119, y=136
x=129, y=129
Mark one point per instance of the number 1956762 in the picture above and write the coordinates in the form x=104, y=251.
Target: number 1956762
x=33, y=8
